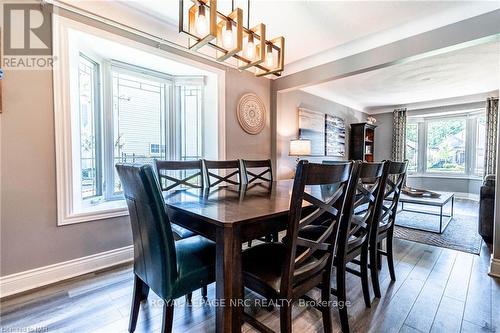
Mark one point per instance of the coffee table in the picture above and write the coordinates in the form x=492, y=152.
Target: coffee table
x=446, y=198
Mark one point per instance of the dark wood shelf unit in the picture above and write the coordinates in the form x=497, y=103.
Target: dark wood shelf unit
x=362, y=142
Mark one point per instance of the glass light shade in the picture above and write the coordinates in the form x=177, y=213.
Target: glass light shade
x=250, y=52
x=299, y=147
x=201, y=22
x=269, y=56
x=227, y=36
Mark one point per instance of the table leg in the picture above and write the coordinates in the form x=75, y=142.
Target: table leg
x=441, y=220
x=452, y=204
x=228, y=280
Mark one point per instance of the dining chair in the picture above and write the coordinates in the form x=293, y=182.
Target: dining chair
x=386, y=221
x=257, y=171
x=169, y=268
x=181, y=174
x=353, y=242
x=288, y=270
x=231, y=168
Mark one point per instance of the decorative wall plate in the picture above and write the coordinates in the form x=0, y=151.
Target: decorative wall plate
x=251, y=113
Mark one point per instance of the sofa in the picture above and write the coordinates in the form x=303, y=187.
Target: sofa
x=487, y=209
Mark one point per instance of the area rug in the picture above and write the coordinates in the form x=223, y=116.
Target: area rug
x=461, y=234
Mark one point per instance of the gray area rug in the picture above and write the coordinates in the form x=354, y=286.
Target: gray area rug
x=461, y=234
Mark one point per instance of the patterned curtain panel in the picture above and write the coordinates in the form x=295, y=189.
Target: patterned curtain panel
x=399, y=135
x=491, y=136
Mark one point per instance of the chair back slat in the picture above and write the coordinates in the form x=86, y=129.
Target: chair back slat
x=318, y=203
x=179, y=173
x=257, y=170
x=394, y=185
x=232, y=174
x=154, y=247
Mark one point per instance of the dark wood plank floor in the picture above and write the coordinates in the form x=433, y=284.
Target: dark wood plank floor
x=438, y=290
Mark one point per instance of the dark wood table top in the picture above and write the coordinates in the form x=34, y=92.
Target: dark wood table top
x=233, y=204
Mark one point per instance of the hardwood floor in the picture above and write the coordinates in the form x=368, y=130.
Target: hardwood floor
x=437, y=290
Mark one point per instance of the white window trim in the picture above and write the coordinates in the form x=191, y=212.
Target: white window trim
x=66, y=213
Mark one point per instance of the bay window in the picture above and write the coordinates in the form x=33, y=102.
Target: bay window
x=136, y=116
x=451, y=145
x=116, y=101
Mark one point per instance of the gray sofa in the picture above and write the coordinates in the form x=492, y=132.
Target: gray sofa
x=487, y=209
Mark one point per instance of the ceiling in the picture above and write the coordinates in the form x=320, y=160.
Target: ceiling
x=320, y=31
x=468, y=71
x=118, y=51
x=317, y=32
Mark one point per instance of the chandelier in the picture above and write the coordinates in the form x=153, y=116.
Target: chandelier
x=229, y=40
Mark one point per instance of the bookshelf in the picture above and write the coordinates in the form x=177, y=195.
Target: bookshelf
x=362, y=142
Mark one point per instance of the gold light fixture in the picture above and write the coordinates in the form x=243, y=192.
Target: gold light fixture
x=231, y=40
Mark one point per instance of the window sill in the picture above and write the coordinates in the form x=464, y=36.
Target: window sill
x=105, y=210
x=441, y=175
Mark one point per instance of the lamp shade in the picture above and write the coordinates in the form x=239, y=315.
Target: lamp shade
x=299, y=147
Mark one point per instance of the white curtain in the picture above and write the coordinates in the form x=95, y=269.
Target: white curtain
x=399, y=135
x=491, y=136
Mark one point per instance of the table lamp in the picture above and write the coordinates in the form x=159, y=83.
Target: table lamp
x=299, y=147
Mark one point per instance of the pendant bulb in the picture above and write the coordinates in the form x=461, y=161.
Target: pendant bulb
x=269, y=56
x=227, y=35
x=201, y=21
x=250, y=46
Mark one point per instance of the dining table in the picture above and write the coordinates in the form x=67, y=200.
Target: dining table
x=231, y=216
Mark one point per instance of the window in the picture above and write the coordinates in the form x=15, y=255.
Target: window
x=480, y=145
x=191, y=102
x=136, y=123
x=90, y=162
x=119, y=101
x=157, y=149
x=446, y=145
x=140, y=111
x=412, y=146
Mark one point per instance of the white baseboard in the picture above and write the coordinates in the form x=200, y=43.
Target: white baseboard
x=42, y=276
x=494, y=267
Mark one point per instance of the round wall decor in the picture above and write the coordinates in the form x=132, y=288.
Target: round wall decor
x=251, y=113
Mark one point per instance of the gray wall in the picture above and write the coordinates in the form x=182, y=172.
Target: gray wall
x=287, y=124
x=383, y=137
x=30, y=237
x=240, y=144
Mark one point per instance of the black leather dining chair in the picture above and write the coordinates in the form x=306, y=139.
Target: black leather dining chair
x=384, y=228
x=289, y=270
x=181, y=174
x=169, y=268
